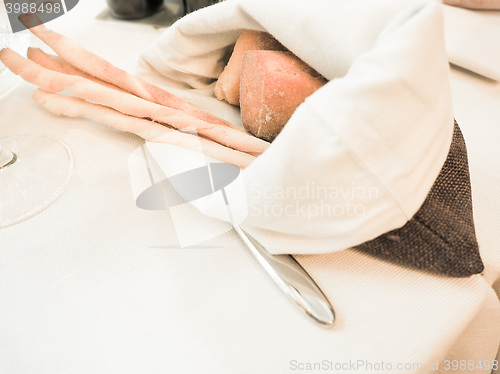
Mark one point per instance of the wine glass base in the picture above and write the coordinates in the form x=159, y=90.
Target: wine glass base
x=9, y=161
x=36, y=179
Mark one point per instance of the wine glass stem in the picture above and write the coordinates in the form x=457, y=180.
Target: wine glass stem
x=6, y=157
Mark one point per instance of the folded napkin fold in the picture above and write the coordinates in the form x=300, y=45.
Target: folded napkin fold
x=472, y=40
x=358, y=158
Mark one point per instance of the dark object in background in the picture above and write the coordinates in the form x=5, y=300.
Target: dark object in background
x=133, y=9
x=192, y=5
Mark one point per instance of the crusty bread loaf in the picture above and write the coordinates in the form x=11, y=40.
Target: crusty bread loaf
x=273, y=84
x=228, y=85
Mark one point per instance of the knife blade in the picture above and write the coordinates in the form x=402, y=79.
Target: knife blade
x=289, y=275
x=284, y=270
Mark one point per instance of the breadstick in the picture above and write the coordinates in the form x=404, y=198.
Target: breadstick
x=148, y=130
x=56, y=63
x=53, y=81
x=102, y=69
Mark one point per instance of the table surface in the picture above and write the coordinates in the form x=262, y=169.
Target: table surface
x=94, y=284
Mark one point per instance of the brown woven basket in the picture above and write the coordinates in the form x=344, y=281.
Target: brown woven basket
x=440, y=237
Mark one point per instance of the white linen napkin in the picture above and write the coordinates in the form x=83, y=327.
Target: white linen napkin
x=471, y=38
x=359, y=156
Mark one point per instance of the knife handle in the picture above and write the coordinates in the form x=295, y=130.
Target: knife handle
x=293, y=280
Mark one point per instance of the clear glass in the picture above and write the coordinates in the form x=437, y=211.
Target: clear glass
x=40, y=172
x=35, y=169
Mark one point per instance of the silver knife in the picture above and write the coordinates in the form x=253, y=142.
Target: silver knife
x=289, y=275
x=286, y=272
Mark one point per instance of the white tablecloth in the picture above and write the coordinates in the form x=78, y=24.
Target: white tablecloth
x=96, y=285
